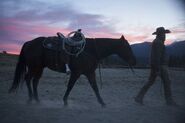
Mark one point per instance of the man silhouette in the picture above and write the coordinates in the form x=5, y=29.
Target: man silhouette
x=158, y=68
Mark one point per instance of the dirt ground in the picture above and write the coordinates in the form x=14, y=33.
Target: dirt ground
x=120, y=87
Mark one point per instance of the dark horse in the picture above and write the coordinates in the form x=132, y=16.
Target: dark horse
x=34, y=58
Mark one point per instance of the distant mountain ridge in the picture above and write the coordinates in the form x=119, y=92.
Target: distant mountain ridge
x=176, y=48
x=142, y=50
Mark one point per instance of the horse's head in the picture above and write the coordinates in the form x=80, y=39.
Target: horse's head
x=125, y=52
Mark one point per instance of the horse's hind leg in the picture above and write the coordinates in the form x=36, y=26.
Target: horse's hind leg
x=35, y=84
x=70, y=85
x=35, y=92
x=28, y=78
x=92, y=80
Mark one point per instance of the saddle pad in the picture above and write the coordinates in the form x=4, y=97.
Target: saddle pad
x=53, y=43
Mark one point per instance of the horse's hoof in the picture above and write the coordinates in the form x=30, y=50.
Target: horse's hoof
x=103, y=105
x=65, y=103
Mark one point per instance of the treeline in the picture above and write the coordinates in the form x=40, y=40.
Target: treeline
x=115, y=61
x=177, y=61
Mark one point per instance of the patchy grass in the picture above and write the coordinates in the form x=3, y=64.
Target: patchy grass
x=8, y=59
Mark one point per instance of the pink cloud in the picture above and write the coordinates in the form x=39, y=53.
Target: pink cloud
x=10, y=48
x=136, y=38
x=102, y=34
x=168, y=42
x=178, y=31
x=14, y=32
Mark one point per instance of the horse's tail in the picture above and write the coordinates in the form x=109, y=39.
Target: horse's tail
x=20, y=71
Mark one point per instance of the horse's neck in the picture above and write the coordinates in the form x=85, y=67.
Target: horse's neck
x=104, y=47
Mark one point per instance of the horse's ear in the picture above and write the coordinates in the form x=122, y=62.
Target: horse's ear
x=122, y=37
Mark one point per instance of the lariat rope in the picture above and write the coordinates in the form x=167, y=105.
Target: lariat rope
x=69, y=41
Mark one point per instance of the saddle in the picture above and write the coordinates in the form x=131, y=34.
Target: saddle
x=71, y=45
x=53, y=43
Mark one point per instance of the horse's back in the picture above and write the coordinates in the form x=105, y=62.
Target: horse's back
x=37, y=55
x=33, y=51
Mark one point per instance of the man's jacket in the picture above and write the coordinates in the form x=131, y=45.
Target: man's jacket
x=158, y=55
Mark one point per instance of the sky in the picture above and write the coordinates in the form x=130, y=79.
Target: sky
x=24, y=20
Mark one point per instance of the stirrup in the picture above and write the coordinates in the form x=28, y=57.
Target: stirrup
x=68, y=72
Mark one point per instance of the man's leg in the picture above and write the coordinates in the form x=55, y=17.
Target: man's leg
x=144, y=89
x=167, y=86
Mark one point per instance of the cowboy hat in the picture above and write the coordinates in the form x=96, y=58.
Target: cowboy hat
x=161, y=30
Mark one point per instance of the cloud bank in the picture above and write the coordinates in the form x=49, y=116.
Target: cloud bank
x=24, y=20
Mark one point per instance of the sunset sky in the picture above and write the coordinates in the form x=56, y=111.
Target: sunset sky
x=24, y=20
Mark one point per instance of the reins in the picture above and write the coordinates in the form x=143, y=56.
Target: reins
x=101, y=82
x=133, y=72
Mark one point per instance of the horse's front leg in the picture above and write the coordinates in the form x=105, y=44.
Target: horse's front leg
x=92, y=80
x=72, y=80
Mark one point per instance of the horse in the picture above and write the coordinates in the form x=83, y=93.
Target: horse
x=34, y=58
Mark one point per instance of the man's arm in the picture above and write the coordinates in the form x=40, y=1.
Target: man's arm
x=157, y=54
